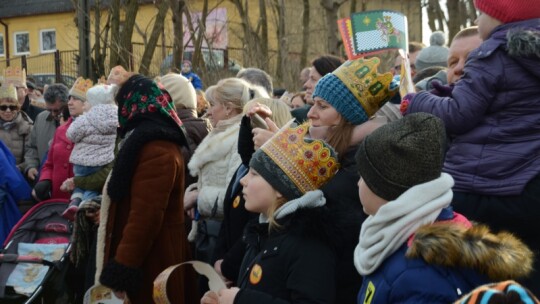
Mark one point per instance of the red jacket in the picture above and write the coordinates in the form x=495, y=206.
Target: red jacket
x=57, y=168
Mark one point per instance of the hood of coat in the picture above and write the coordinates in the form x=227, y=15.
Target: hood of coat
x=499, y=256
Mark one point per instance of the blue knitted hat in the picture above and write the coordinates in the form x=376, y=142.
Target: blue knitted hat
x=356, y=90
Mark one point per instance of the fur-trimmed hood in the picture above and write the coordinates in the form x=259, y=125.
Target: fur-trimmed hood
x=499, y=256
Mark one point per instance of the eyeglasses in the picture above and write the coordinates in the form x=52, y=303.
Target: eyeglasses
x=11, y=108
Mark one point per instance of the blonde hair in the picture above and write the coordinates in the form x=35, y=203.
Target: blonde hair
x=272, y=223
x=231, y=92
x=339, y=137
x=281, y=113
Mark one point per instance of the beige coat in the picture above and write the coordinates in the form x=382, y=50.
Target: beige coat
x=17, y=137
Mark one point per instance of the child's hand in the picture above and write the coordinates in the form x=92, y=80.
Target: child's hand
x=68, y=185
x=441, y=90
x=210, y=297
x=226, y=296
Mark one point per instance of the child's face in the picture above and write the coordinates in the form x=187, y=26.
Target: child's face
x=370, y=201
x=486, y=24
x=258, y=193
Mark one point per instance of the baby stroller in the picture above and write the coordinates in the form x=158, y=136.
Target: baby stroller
x=35, y=256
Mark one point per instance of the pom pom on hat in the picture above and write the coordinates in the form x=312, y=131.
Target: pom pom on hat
x=181, y=90
x=101, y=94
x=508, y=11
x=356, y=90
x=434, y=55
x=402, y=154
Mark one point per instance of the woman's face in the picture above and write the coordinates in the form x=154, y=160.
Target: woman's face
x=258, y=193
x=9, y=109
x=322, y=114
x=75, y=106
x=310, y=84
x=217, y=112
x=297, y=102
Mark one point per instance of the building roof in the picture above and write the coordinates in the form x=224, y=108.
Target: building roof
x=21, y=8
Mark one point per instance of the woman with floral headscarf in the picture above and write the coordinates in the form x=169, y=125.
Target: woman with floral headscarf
x=142, y=229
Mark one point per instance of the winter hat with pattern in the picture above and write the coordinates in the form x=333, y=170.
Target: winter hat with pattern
x=507, y=292
x=80, y=87
x=294, y=164
x=356, y=90
x=181, y=90
x=436, y=54
x=101, y=94
x=508, y=11
x=402, y=154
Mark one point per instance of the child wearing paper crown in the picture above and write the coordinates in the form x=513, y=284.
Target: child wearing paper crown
x=290, y=255
x=413, y=248
x=493, y=119
x=93, y=135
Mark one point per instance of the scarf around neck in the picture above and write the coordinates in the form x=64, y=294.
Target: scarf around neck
x=311, y=199
x=383, y=233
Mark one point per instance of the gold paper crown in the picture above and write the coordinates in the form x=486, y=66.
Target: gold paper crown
x=308, y=163
x=16, y=76
x=80, y=87
x=8, y=91
x=370, y=88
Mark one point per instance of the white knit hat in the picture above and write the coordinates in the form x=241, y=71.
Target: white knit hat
x=101, y=94
x=180, y=89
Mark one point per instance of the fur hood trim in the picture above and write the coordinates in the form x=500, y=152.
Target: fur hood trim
x=523, y=43
x=216, y=145
x=500, y=256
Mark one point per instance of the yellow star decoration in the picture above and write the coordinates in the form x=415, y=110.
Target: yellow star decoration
x=367, y=21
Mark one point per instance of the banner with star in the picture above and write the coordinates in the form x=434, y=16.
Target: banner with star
x=371, y=32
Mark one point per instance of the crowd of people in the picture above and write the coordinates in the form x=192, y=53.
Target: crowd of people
x=341, y=192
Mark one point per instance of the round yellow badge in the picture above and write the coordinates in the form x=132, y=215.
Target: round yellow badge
x=256, y=274
x=236, y=202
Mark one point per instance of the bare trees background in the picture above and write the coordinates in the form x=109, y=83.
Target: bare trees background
x=278, y=36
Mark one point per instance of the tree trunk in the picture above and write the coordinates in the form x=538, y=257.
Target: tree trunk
x=282, y=41
x=177, y=7
x=455, y=17
x=263, y=41
x=305, y=34
x=99, y=64
x=115, y=33
x=163, y=7
x=331, y=8
x=132, y=7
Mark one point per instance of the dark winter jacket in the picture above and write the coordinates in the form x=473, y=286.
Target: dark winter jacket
x=295, y=264
x=444, y=261
x=31, y=110
x=342, y=200
x=493, y=115
x=229, y=245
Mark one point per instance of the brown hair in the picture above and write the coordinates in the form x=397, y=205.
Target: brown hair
x=272, y=223
x=339, y=137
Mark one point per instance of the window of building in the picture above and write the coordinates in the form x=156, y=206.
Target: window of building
x=2, y=52
x=47, y=41
x=22, y=43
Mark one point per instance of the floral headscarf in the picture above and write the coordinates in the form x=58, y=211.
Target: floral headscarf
x=140, y=96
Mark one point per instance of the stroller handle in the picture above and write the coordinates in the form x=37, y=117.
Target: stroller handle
x=15, y=258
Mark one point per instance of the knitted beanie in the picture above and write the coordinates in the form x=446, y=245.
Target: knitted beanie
x=101, y=94
x=180, y=89
x=507, y=292
x=356, y=90
x=294, y=164
x=508, y=11
x=401, y=154
x=434, y=55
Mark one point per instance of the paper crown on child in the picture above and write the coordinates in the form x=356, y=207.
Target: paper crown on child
x=502, y=292
x=16, y=76
x=80, y=87
x=294, y=164
x=356, y=90
x=8, y=91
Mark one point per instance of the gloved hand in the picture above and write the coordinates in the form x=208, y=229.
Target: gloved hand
x=246, y=147
x=404, y=106
x=441, y=90
x=43, y=190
